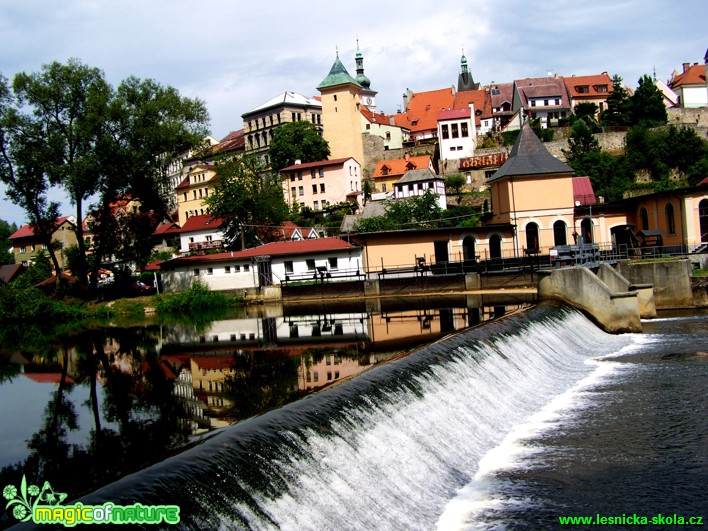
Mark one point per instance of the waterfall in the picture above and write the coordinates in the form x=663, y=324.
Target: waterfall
x=389, y=449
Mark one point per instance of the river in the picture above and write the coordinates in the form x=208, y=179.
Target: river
x=508, y=425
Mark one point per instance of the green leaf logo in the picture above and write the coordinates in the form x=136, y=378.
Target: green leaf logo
x=24, y=501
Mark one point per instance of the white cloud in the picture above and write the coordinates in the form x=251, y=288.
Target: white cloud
x=235, y=56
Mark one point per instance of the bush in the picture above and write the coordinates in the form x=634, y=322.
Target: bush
x=196, y=299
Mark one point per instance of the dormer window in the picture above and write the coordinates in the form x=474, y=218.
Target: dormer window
x=601, y=88
x=582, y=89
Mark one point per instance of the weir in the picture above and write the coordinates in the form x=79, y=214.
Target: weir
x=389, y=449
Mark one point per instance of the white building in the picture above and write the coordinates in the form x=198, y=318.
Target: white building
x=417, y=182
x=457, y=133
x=201, y=233
x=272, y=263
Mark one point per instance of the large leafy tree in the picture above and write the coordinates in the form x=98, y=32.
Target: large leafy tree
x=248, y=200
x=581, y=141
x=22, y=169
x=619, y=105
x=648, y=103
x=70, y=128
x=297, y=141
x=6, y=230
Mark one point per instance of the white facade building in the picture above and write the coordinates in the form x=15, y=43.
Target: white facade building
x=272, y=263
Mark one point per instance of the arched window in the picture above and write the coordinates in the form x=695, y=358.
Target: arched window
x=532, y=237
x=468, y=248
x=495, y=246
x=670, y=221
x=586, y=230
x=703, y=219
x=560, y=233
x=644, y=218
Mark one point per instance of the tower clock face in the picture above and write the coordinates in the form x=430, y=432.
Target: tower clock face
x=368, y=101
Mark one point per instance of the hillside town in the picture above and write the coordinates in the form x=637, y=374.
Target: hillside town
x=524, y=198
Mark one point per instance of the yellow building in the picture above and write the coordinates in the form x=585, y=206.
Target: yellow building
x=193, y=190
x=534, y=192
x=26, y=244
x=341, y=116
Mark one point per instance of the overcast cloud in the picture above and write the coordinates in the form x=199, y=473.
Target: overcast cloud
x=236, y=55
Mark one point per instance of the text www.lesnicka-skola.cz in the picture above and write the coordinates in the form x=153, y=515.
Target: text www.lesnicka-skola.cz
x=631, y=519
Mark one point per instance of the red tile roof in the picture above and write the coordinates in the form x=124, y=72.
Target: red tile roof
x=166, y=228
x=26, y=230
x=401, y=166
x=694, y=75
x=47, y=377
x=582, y=191
x=232, y=142
x=318, y=164
x=195, y=223
x=481, y=99
x=422, y=111
x=573, y=83
x=454, y=114
x=378, y=118
x=320, y=245
x=214, y=363
x=153, y=266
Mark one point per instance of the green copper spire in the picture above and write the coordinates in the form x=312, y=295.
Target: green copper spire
x=338, y=75
x=364, y=81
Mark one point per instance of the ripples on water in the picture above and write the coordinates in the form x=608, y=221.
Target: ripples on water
x=632, y=442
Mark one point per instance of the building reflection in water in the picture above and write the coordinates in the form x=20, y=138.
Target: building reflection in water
x=124, y=397
x=276, y=354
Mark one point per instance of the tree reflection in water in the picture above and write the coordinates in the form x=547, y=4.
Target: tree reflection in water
x=143, y=418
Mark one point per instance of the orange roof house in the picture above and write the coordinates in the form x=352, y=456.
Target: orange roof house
x=690, y=85
x=589, y=89
x=387, y=172
x=421, y=111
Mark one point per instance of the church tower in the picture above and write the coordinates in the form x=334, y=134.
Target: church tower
x=341, y=118
x=368, y=96
x=465, y=81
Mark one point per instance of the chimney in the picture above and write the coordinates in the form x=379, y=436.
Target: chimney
x=686, y=66
x=298, y=161
x=407, y=157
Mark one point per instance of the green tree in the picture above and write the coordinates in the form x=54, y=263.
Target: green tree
x=39, y=271
x=455, y=183
x=610, y=175
x=248, y=200
x=410, y=213
x=684, y=149
x=95, y=141
x=648, y=103
x=6, y=230
x=619, y=105
x=581, y=141
x=297, y=141
x=22, y=169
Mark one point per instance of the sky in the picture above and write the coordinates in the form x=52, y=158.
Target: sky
x=236, y=55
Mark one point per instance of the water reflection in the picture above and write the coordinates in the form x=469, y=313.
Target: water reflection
x=109, y=400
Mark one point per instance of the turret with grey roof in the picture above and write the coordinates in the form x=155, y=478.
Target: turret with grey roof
x=530, y=157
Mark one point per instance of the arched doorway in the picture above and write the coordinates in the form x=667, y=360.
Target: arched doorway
x=495, y=246
x=703, y=219
x=468, y=249
x=560, y=233
x=586, y=230
x=644, y=218
x=531, y=231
